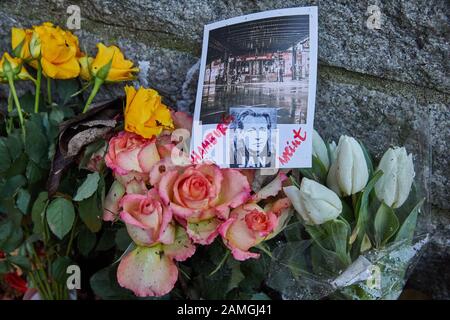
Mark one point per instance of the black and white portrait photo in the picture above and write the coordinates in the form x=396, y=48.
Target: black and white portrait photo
x=251, y=137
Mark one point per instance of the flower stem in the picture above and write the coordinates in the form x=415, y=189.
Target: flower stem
x=221, y=263
x=16, y=100
x=38, y=87
x=97, y=84
x=49, y=90
x=9, y=123
x=72, y=233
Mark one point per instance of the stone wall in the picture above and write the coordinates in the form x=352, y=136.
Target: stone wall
x=386, y=86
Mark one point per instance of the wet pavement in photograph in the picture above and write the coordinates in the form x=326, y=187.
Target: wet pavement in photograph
x=290, y=97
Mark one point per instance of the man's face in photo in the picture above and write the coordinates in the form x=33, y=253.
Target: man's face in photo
x=255, y=133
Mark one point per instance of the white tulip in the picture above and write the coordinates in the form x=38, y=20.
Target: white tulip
x=319, y=149
x=332, y=147
x=398, y=174
x=348, y=172
x=315, y=203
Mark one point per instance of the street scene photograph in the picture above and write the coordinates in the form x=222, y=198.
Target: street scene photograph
x=260, y=63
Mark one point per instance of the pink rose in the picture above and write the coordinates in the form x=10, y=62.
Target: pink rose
x=247, y=226
x=147, y=218
x=182, y=120
x=130, y=153
x=201, y=195
x=150, y=269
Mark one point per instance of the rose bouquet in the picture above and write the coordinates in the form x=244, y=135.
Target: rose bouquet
x=50, y=220
x=355, y=235
x=169, y=207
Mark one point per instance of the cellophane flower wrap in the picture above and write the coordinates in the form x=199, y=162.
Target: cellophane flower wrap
x=362, y=223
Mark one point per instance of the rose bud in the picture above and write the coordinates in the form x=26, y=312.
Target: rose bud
x=348, y=173
x=314, y=202
x=398, y=174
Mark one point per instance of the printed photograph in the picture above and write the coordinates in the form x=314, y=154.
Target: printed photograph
x=259, y=63
x=251, y=137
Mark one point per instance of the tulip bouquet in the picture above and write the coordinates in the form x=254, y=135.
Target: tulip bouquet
x=355, y=232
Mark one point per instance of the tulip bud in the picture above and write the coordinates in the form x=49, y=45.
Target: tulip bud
x=319, y=149
x=315, y=203
x=332, y=147
x=394, y=185
x=348, y=173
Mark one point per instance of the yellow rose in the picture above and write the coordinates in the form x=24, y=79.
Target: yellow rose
x=14, y=67
x=120, y=68
x=85, y=64
x=20, y=42
x=145, y=114
x=59, y=52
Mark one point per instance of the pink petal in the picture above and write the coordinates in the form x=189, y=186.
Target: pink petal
x=271, y=189
x=128, y=160
x=203, y=232
x=142, y=237
x=182, y=120
x=129, y=219
x=181, y=212
x=182, y=248
x=136, y=187
x=112, y=200
x=165, y=187
x=148, y=156
x=235, y=189
x=240, y=255
x=148, y=272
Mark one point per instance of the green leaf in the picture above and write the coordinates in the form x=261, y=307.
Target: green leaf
x=104, y=284
x=10, y=237
x=91, y=213
x=12, y=186
x=406, y=232
x=23, y=200
x=123, y=240
x=90, y=150
x=339, y=232
x=33, y=172
x=317, y=172
x=20, y=261
x=27, y=102
x=5, y=159
x=362, y=213
x=18, y=167
x=4, y=267
x=36, y=145
x=66, y=88
x=15, y=145
x=59, y=269
x=38, y=212
x=385, y=224
x=368, y=159
x=88, y=187
x=106, y=241
x=60, y=216
x=56, y=115
x=86, y=241
x=236, y=274
x=260, y=296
